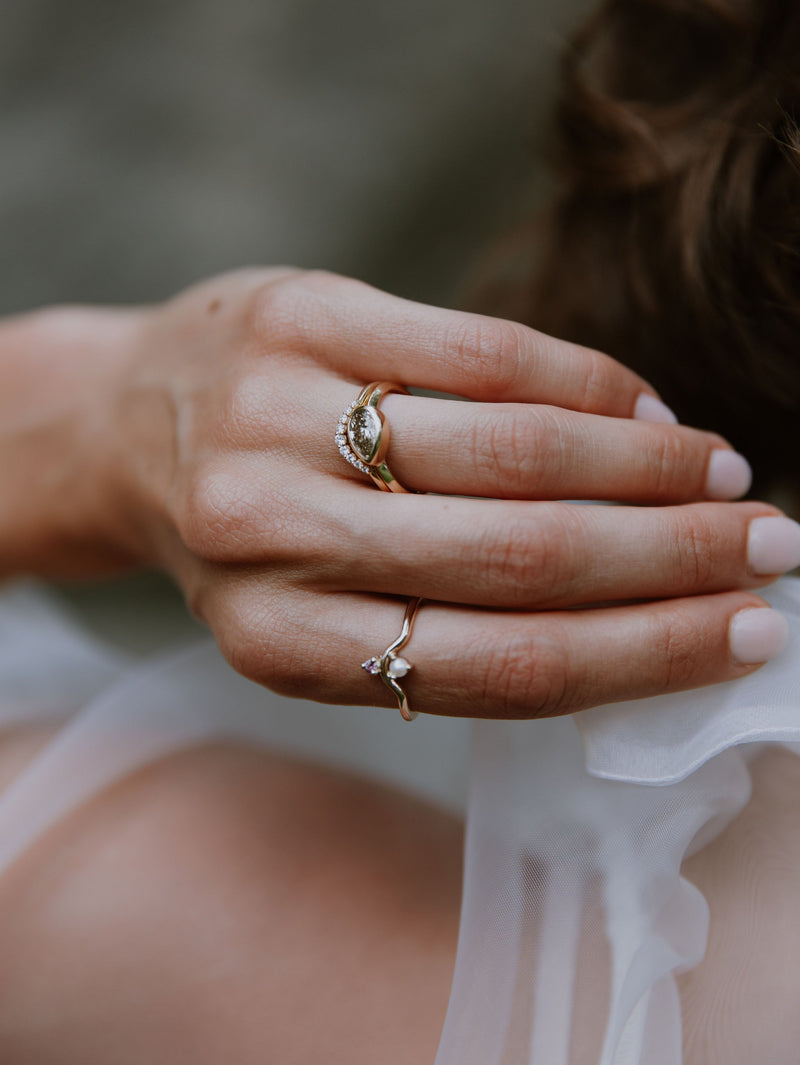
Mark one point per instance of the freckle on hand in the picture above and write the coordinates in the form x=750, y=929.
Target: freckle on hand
x=214, y=306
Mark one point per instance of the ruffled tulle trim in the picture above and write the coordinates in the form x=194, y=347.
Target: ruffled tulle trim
x=575, y=917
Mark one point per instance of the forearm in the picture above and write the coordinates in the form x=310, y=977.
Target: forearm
x=59, y=514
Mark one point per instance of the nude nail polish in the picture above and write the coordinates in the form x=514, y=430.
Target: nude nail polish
x=650, y=409
x=773, y=545
x=757, y=634
x=728, y=476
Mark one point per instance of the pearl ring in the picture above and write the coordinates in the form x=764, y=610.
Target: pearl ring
x=390, y=667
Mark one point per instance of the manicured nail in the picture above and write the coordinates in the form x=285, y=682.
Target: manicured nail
x=729, y=475
x=757, y=635
x=650, y=409
x=773, y=545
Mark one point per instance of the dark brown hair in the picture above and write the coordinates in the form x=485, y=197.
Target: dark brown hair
x=675, y=241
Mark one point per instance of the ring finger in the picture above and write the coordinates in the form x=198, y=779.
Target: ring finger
x=533, y=451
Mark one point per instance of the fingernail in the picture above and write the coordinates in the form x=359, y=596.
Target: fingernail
x=757, y=635
x=773, y=545
x=729, y=475
x=650, y=409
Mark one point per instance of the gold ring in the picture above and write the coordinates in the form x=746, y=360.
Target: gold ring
x=390, y=666
x=362, y=435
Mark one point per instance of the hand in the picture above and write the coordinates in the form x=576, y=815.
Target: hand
x=223, y=469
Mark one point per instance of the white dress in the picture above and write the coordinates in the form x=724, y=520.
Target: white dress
x=576, y=827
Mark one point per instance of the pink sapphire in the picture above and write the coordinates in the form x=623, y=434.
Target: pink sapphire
x=372, y=665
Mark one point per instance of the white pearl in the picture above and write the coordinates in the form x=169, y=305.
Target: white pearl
x=398, y=667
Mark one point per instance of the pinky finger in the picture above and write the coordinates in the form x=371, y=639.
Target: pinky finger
x=478, y=663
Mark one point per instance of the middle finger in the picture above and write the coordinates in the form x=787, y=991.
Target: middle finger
x=547, y=555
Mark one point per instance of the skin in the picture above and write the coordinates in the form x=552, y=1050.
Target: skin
x=320, y=920
x=196, y=436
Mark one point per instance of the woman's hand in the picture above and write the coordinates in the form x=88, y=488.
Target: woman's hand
x=211, y=454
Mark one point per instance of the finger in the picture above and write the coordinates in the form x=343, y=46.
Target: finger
x=520, y=451
x=370, y=335
x=524, y=555
x=548, y=555
x=512, y=451
x=469, y=663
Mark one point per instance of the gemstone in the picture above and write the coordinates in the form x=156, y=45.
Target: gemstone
x=372, y=665
x=364, y=432
x=398, y=667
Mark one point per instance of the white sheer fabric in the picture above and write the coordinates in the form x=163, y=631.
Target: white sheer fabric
x=575, y=916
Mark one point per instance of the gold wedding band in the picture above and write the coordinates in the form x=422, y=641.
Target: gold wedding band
x=390, y=667
x=362, y=435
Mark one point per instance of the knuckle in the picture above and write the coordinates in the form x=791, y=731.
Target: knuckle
x=698, y=548
x=509, y=447
x=681, y=647
x=292, y=306
x=527, y=562
x=598, y=382
x=283, y=312
x=669, y=463
x=488, y=351
x=528, y=677
x=215, y=521
x=221, y=517
x=497, y=452
x=259, y=640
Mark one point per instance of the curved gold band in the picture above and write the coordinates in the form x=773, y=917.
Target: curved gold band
x=362, y=435
x=389, y=666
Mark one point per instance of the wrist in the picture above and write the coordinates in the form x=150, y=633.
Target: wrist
x=59, y=498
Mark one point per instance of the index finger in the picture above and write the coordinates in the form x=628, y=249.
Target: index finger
x=369, y=333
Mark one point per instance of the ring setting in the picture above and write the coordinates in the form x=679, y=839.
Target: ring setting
x=391, y=667
x=362, y=435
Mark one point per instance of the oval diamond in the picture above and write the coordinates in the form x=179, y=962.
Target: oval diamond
x=364, y=432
